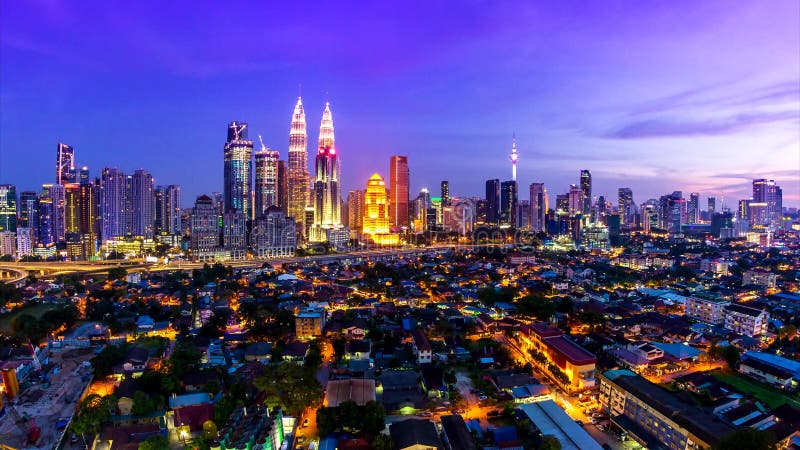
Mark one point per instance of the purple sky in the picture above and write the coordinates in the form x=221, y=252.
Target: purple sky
x=658, y=96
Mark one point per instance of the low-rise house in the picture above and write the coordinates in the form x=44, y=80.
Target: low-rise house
x=296, y=351
x=258, y=351
x=414, y=434
x=421, y=346
x=772, y=369
x=355, y=390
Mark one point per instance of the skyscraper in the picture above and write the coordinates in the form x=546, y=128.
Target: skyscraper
x=538, y=202
x=297, y=172
x=586, y=190
x=8, y=208
x=65, y=164
x=44, y=233
x=626, y=205
x=266, y=190
x=712, y=206
x=112, y=203
x=398, y=191
x=238, y=173
x=72, y=207
x=87, y=215
x=205, y=228
x=283, y=187
x=29, y=213
x=355, y=209
x=694, y=208
x=142, y=204
x=576, y=200
x=376, y=214
x=445, y=187
x=56, y=193
x=492, y=201
x=767, y=204
x=327, y=208
x=508, y=203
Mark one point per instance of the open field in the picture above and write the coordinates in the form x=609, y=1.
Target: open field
x=767, y=394
x=35, y=310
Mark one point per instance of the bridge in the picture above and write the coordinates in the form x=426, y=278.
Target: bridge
x=17, y=272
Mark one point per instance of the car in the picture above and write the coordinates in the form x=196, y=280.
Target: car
x=606, y=447
x=579, y=422
x=74, y=438
x=305, y=422
x=426, y=414
x=482, y=397
x=460, y=411
x=301, y=439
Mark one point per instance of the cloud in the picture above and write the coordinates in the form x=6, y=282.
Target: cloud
x=708, y=97
x=665, y=128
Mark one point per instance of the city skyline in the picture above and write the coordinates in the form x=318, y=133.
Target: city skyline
x=558, y=88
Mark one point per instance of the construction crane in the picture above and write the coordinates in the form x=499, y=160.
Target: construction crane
x=263, y=147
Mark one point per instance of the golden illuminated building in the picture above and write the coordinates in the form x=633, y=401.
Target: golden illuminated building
x=376, y=215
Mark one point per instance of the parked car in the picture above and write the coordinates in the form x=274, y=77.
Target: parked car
x=579, y=422
x=305, y=422
x=482, y=397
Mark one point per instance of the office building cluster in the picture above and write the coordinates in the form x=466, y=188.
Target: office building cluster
x=269, y=206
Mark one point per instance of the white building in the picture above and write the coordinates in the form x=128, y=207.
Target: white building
x=706, y=310
x=759, y=277
x=8, y=243
x=24, y=241
x=746, y=320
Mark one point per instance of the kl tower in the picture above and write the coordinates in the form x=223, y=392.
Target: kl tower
x=514, y=158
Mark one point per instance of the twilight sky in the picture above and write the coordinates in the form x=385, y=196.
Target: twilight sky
x=656, y=95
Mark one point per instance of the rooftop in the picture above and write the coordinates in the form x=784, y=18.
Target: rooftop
x=550, y=419
x=355, y=390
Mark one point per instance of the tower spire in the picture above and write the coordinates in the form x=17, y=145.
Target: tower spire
x=514, y=156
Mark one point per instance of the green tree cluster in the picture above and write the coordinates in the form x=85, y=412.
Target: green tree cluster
x=352, y=418
x=289, y=385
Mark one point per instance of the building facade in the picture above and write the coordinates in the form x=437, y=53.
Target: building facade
x=238, y=169
x=706, y=310
x=327, y=206
x=266, y=189
x=398, y=191
x=297, y=169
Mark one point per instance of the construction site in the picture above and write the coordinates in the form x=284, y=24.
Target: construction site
x=38, y=407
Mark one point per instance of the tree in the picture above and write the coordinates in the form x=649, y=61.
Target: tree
x=93, y=411
x=184, y=359
x=382, y=442
x=592, y=319
x=732, y=356
x=142, y=404
x=550, y=442
x=107, y=359
x=290, y=386
x=117, y=273
x=155, y=442
x=748, y=438
x=372, y=417
x=209, y=429
x=212, y=387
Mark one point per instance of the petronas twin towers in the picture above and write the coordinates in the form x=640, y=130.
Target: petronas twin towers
x=324, y=198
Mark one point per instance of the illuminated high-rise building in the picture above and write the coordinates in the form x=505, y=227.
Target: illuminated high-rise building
x=712, y=206
x=626, y=205
x=538, y=205
x=266, y=189
x=57, y=194
x=112, y=203
x=694, y=208
x=297, y=169
x=238, y=172
x=355, y=209
x=493, y=201
x=44, y=234
x=327, y=206
x=283, y=187
x=445, y=188
x=29, y=213
x=767, y=204
x=65, y=164
x=142, y=199
x=398, y=191
x=83, y=176
x=376, y=213
x=420, y=207
x=508, y=202
x=8, y=208
x=576, y=200
x=586, y=191
x=72, y=207
x=88, y=210
x=205, y=228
